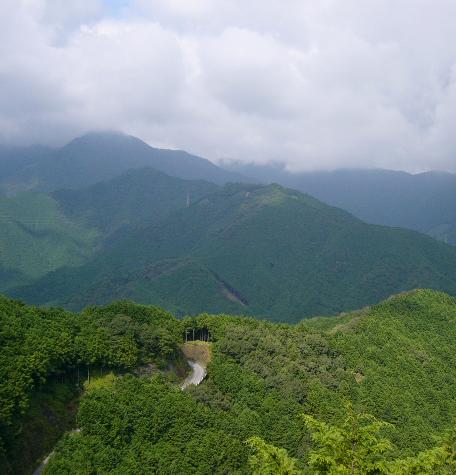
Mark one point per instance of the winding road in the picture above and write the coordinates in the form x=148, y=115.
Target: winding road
x=42, y=465
x=196, y=376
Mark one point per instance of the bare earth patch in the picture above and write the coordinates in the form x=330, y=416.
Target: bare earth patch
x=199, y=351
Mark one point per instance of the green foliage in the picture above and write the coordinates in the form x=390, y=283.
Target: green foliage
x=394, y=360
x=134, y=198
x=52, y=411
x=133, y=237
x=423, y=202
x=270, y=460
x=44, y=232
x=202, y=258
x=37, y=238
x=39, y=346
x=148, y=426
x=402, y=353
x=354, y=448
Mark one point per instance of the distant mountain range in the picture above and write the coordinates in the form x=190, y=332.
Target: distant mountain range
x=194, y=245
x=425, y=202
x=97, y=157
x=245, y=249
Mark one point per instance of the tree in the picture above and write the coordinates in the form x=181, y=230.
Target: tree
x=354, y=448
x=439, y=460
x=270, y=460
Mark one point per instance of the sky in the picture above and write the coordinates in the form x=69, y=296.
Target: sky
x=316, y=84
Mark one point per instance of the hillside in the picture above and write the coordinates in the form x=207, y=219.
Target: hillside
x=135, y=198
x=37, y=238
x=42, y=232
x=47, y=354
x=394, y=360
x=97, y=157
x=425, y=202
x=13, y=159
x=256, y=250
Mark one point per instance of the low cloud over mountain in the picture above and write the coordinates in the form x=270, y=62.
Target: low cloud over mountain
x=316, y=84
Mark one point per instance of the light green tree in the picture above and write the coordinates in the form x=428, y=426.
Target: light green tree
x=356, y=447
x=270, y=460
x=439, y=460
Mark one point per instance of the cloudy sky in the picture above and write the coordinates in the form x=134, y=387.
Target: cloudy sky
x=314, y=83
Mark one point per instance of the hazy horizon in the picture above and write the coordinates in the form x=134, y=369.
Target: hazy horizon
x=232, y=163
x=315, y=85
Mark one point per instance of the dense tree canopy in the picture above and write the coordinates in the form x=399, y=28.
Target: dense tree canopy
x=264, y=251
x=394, y=361
x=39, y=345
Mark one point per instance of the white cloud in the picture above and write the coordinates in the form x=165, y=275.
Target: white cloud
x=317, y=84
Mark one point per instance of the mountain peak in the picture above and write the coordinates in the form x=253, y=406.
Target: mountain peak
x=100, y=156
x=105, y=138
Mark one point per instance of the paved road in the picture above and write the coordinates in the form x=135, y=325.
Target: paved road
x=42, y=465
x=196, y=376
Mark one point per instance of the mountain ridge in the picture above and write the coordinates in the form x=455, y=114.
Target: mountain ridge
x=282, y=252
x=100, y=156
x=424, y=202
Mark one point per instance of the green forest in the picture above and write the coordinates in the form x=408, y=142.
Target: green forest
x=370, y=391
x=255, y=250
x=107, y=217
x=227, y=237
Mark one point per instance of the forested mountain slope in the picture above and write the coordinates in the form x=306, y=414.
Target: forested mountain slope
x=36, y=237
x=135, y=198
x=394, y=360
x=13, y=159
x=42, y=232
x=97, y=157
x=256, y=250
x=46, y=354
x=425, y=202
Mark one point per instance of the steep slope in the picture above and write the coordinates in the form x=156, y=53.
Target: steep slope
x=41, y=354
x=394, y=360
x=401, y=351
x=134, y=198
x=257, y=250
x=99, y=157
x=43, y=232
x=425, y=202
x=36, y=238
x=13, y=159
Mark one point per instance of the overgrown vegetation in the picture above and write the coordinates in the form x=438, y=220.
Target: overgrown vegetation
x=242, y=249
x=50, y=352
x=357, y=447
x=394, y=360
x=37, y=238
